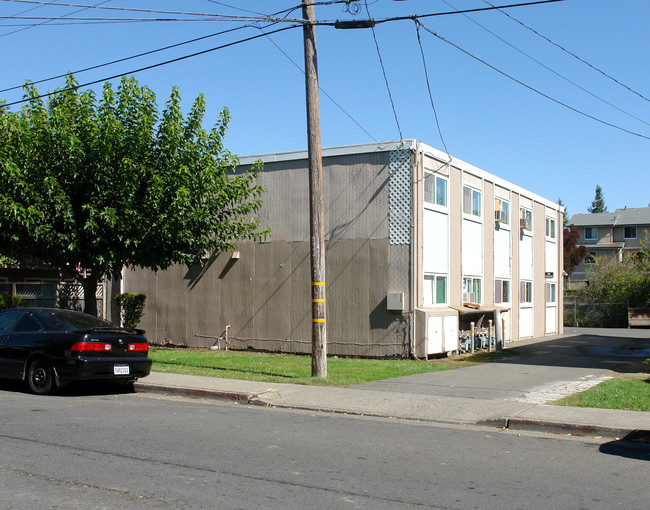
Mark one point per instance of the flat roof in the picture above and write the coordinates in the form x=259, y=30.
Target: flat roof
x=410, y=144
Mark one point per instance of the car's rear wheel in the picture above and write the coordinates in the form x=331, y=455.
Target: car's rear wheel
x=40, y=377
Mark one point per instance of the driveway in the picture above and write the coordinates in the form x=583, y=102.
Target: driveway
x=537, y=370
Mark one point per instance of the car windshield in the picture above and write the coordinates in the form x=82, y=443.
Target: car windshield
x=76, y=320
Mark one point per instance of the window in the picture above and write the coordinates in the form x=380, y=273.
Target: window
x=630, y=233
x=471, y=201
x=550, y=228
x=550, y=293
x=471, y=290
x=526, y=219
x=435, y=189
x=502, y=291
x=590, y=233
x=435, y=290
x=504, y=208
x=525, y=292
x=26, y=324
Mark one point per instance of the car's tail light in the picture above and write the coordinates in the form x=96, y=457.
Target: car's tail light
x=143, y=347
x=91, y=347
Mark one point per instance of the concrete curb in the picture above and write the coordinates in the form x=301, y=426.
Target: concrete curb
x=242, y=398
x=573, y=429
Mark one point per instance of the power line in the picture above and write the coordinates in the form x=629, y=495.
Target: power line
x=223, y=17
x=549, y=69
x=124, y=59
x=383, y=70
x=44, y=22
x=532, y=88
x=107, y=8
x=319, y=87
x=152, y=66
x=426, y=75
x=570, y=53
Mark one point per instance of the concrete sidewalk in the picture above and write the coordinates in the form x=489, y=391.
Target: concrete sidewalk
x=510, y=393
x=432, y=408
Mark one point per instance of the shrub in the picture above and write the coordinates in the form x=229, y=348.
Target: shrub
x=131, y=308
x=11, y=301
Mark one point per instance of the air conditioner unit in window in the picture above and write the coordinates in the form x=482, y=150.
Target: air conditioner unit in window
x=500, y=216
x=469, y=297
x=525, y=223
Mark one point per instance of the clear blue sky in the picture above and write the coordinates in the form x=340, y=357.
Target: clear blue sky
x=485, y=118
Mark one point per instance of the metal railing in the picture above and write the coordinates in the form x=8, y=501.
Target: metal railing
x=52, y=294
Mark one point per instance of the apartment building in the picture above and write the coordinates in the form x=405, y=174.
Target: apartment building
x=419, y=244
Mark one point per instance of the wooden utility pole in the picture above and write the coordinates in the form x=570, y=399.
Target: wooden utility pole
x=316, y=213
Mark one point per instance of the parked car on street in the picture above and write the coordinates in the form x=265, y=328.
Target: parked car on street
x=49, y=347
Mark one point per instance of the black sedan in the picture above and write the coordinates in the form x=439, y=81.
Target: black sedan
x=49, y=347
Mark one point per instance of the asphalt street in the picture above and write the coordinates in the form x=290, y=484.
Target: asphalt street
x=104, y=449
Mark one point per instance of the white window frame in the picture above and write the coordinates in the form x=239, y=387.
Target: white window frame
x=551, y=293
x=503, y=205
x=524, y=212
x=525, y=292
x=474, y=193
x=500, y=284
x=591, y=230
x=469, y=285
x=437, y=181
x=432, y=280
x=551, y=226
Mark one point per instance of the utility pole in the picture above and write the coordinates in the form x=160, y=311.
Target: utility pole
x=316, y=213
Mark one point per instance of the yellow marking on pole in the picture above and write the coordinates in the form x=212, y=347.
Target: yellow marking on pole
x=318, y=300
x=318, y=320
x=318, y=283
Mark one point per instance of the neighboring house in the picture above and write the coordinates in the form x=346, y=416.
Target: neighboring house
x=418, y=245
x=614, y=235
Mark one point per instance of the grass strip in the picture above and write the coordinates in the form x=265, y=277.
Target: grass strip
x=296, y=369
x=618, y=393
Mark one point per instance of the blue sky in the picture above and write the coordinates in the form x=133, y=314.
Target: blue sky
x=485, y=118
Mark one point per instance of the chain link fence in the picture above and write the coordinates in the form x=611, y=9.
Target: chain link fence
x=599, y=315
x=53, y=294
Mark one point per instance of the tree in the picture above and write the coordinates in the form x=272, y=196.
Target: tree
x=598, y=205
x=573, y=254
x=565, y=217
x=91, y=185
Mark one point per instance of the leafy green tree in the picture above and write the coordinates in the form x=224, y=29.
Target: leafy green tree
x=598, y=204
x=131, y=308
x=92, y=185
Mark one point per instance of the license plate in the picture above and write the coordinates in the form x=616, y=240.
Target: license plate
x=121, y=369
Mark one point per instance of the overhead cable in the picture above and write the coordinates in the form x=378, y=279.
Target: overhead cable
x=383, y=70
x=532, y=88
x=570, y=53
x=551, y=70
x=152, y=66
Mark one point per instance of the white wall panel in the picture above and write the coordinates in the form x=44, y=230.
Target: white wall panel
x=472, y=248
x=435, y=241
x=550, y=259
x=502, y=253
x=551, y=318
x=525, y=322
x=526, y=258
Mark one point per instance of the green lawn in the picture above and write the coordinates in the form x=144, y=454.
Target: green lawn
x=297, y=369
x=631, y=394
